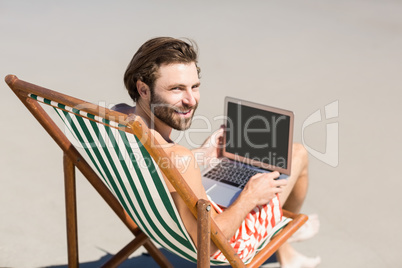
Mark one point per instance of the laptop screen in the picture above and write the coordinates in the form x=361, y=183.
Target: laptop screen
x=258, y=134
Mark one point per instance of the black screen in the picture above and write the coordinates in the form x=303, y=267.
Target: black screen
x=257, y=134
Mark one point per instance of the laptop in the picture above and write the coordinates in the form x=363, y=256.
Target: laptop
x=257, y=139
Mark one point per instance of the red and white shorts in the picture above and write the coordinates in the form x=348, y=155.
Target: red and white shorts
x=254, y=230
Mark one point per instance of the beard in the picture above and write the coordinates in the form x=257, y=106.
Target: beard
x=170, y=114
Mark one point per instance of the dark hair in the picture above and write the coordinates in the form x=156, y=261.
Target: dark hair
x=151, y=55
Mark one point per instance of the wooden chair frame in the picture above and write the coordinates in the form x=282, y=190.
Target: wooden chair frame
x=207, y=228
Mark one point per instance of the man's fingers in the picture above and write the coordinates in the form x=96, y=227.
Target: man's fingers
x=280, y=183
x=274, y=174
x=278, y=190
x=217, y=134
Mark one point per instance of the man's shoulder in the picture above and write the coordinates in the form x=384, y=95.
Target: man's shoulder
x=177, y=149
x=123, y=108
x=181, y=157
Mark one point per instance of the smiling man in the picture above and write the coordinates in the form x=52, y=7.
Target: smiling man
x=163, y=81
x=172, y=101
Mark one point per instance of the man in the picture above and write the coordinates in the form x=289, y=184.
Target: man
x=163, y=80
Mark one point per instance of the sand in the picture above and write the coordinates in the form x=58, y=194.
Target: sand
x=341, y=60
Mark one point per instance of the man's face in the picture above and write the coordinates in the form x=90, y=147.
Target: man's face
x=176, y=94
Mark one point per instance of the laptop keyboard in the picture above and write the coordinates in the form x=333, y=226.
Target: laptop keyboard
x=232, y=173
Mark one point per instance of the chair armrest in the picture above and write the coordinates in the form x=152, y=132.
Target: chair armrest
x=203, y=233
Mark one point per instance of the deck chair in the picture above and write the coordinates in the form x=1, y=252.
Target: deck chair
x=123, y=162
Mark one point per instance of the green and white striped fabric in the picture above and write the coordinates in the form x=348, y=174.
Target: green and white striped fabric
x=132, y=175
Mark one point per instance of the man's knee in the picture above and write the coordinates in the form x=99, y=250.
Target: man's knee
x=300, y=155
x=300, y=152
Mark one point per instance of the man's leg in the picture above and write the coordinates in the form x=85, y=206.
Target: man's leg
x=295, y=192
x=292, y=199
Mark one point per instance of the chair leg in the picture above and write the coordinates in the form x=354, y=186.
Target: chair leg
x=203, y=233
x=125, y=252
x=157, y=255
x=103, y=191
x=71, y=211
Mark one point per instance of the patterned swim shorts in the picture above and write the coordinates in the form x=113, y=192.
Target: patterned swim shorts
x=254, y=230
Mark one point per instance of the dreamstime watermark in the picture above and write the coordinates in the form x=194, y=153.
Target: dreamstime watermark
x=331, y=154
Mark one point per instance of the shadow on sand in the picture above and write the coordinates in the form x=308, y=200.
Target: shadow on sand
x=144, y=260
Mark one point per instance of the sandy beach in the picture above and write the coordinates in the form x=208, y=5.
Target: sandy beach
x=336, y=64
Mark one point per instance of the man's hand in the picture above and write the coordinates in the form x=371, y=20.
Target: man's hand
x=213, y=145
x=211, y=148
x=262, y=187
x=259, y=190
